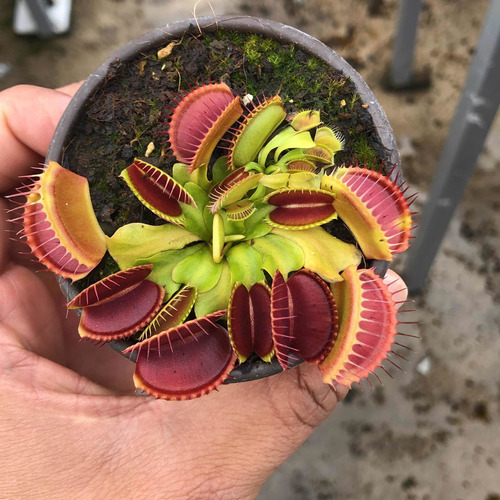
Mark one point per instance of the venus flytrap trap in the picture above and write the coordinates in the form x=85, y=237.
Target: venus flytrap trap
x=59, y=223
x=244, y=260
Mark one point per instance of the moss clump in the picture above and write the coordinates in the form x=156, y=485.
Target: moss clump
x=352, y=101
x=313, y=64
x=363, y=152
x=253, y=51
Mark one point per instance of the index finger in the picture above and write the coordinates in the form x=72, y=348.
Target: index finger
x=28, y=118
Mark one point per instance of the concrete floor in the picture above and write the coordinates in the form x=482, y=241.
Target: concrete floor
x=432, y=432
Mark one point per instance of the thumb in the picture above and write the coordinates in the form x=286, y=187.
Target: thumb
x=252, y=428
x=28, y=118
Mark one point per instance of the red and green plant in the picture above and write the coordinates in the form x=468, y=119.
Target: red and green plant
x=243, y=258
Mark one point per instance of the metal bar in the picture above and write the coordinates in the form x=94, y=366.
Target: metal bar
x=404, y=43
x=39, y=13
x=473, y=117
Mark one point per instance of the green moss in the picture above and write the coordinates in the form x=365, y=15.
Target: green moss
x=153, y=105
x=237, y=78
x=102, y=185
x=139, y=130
x=296, y=85
x=363, y=152
x=253, y=50
x=313, y=64
x=252, y=89
x=335, y=86
x=276, y=60
x=352, y=101
x=267, y=45
x=283, y=59
x=178, y=64
x=234, y=37
x=303, y=82
x=224, y=64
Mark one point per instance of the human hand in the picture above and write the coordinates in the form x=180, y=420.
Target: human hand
x=70, y=426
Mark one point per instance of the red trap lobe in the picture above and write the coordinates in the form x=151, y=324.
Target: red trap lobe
x=186, y=361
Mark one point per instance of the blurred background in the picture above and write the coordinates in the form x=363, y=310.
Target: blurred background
x=433, y=431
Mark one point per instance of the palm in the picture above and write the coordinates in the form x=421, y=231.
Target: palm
x=253, y=420
x=43, y=360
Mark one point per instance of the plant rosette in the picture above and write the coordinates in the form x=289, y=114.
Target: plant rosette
x=247, y=269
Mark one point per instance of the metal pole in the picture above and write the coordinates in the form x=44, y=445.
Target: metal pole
x=404, y=44
x=473, y=117
x=44, y=24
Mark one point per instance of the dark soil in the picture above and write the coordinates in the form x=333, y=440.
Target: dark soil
x=132, y=106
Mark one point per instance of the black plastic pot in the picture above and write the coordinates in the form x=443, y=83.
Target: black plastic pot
x=253, y=368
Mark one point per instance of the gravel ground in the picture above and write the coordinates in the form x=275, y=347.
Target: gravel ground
x=431, y=432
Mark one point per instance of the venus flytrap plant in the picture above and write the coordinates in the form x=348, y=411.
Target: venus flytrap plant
x=243, y=257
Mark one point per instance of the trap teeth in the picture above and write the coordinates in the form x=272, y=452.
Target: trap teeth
x=374, y=208
x=59, y=223
x=254, y=130
x=168, y=364
x=367, y=327
x=199, y=122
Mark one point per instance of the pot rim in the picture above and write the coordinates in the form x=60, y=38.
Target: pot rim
x=271, y=29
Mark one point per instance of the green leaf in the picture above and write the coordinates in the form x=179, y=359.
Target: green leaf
x=255, y=226
x=279, y=254
x=232, y=226
x=218, y=236
x=259, y=230
x=195, y=220
x=164, y=263
x=299, y=140
x=253, y=167
x=220, y=170
x=319, y=154
x=259, y=193
x=329, y=138
x=218, y=297
x=180, y=173
x=316, y=182
x=274, y=143
x=199, y=177
x=275, y=181
x=293, y=155
x=323, y=253
x=198, y=270
x=208, y=217
x=199, y=195
x=234, y=237
x=136, y=241
x=306, y=120
x=296, y=180
x=237, y=191
x=275, y=168
x=240, y=210
x=245, y=264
